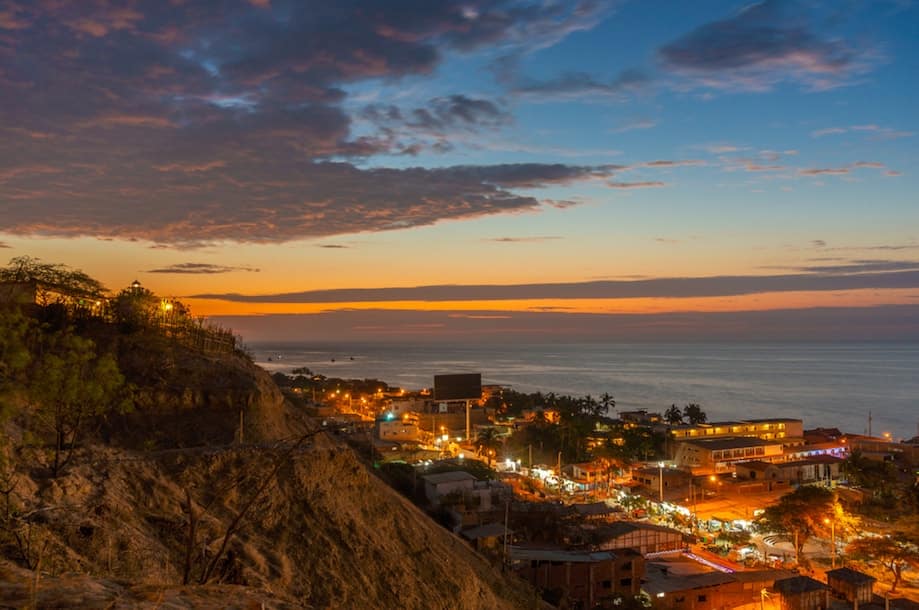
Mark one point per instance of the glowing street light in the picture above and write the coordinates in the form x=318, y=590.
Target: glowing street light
x=832, y=524
x=660, y=466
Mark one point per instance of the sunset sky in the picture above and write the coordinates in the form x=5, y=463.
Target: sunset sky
x=377, y=169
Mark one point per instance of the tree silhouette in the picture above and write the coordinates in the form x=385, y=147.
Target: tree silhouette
x=673, y=415
x=799, y=515
x=69, y=384
x=694, y=414
x=895, y=552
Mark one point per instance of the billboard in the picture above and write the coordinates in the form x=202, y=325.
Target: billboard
x=464, y=386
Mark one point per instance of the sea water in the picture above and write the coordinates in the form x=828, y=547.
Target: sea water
x=829, y=385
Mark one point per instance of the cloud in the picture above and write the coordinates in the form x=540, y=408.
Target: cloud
x=635, y=185
x=892, y=173
x=759, y=47
x=673, y=163
x=580, y=84
x=635, y=125
x=519, y=240
x=720, y=149
x=332, y=246
x=656, y=288
x=824, y=171
x=200, y=268
x=4, y=245
x=183, y=126
x=441, y=116
x=755, y=167
x=818, y=243
x=887, y=322
x=829, y=131
x=250, y=202
x=665, y=240
x=876, y=132
x=861, y=266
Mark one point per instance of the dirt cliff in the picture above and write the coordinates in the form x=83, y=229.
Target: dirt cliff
x=310, y=525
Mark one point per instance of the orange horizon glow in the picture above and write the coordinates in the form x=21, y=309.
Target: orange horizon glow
x=655, y=305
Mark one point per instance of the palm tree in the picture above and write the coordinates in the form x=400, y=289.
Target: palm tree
x=673, y=415
x=694, y=414
x=488, y=441
x=607, y=401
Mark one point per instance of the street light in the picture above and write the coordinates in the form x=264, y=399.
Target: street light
x=660, y=466
x=832, y=524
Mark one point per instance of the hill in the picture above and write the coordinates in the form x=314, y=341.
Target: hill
x=309, y=524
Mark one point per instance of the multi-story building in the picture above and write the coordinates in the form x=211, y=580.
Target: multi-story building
x=716, y=455
x=792, y=430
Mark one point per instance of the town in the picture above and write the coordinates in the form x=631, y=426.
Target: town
x=667, y=509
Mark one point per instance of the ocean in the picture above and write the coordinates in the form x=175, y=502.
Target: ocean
x=828, y=384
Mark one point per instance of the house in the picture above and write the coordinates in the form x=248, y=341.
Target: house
x=402, y=430
x=585, y=472
x=802, y=593
x=586, y=577
x=851, y=585
x=436, y=486
x=643, y=537
x=594, y=510
x=18, y=293
x=673, y=479
x=468, y=495
x=487, y=536
x=818, y=469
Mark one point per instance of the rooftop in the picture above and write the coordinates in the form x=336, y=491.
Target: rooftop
x=518, y=553
x=729, y=442
x=488, y=530
x=593, y=509
x=851, y=576
x=798, y=584
x=448, y=477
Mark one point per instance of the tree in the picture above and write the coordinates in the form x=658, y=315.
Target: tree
x=69, y=384
x=16, y=331
x=608, y=402
x=694, y=414
x=489, y=442
x=136, y=308
x=895, y=552
x=799, y=515
x=673, y=415
x=51, y=277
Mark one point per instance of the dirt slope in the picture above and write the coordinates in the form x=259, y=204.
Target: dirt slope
x=112, y=529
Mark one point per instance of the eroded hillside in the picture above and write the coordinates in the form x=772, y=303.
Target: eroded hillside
x=309, y=524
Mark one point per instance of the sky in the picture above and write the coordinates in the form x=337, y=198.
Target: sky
x=472, y=169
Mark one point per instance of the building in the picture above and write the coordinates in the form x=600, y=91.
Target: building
x=679, y=583
x=487, y=536
x=462, y=490
x=802, y=593
x=436, y=486
x=402, y=430
x=585, y=577
x=18, y=293
x=642, y=537
x=851, y=585
x=822, y=469
x=765, y=429
x=674, y=480
x=716, y=455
